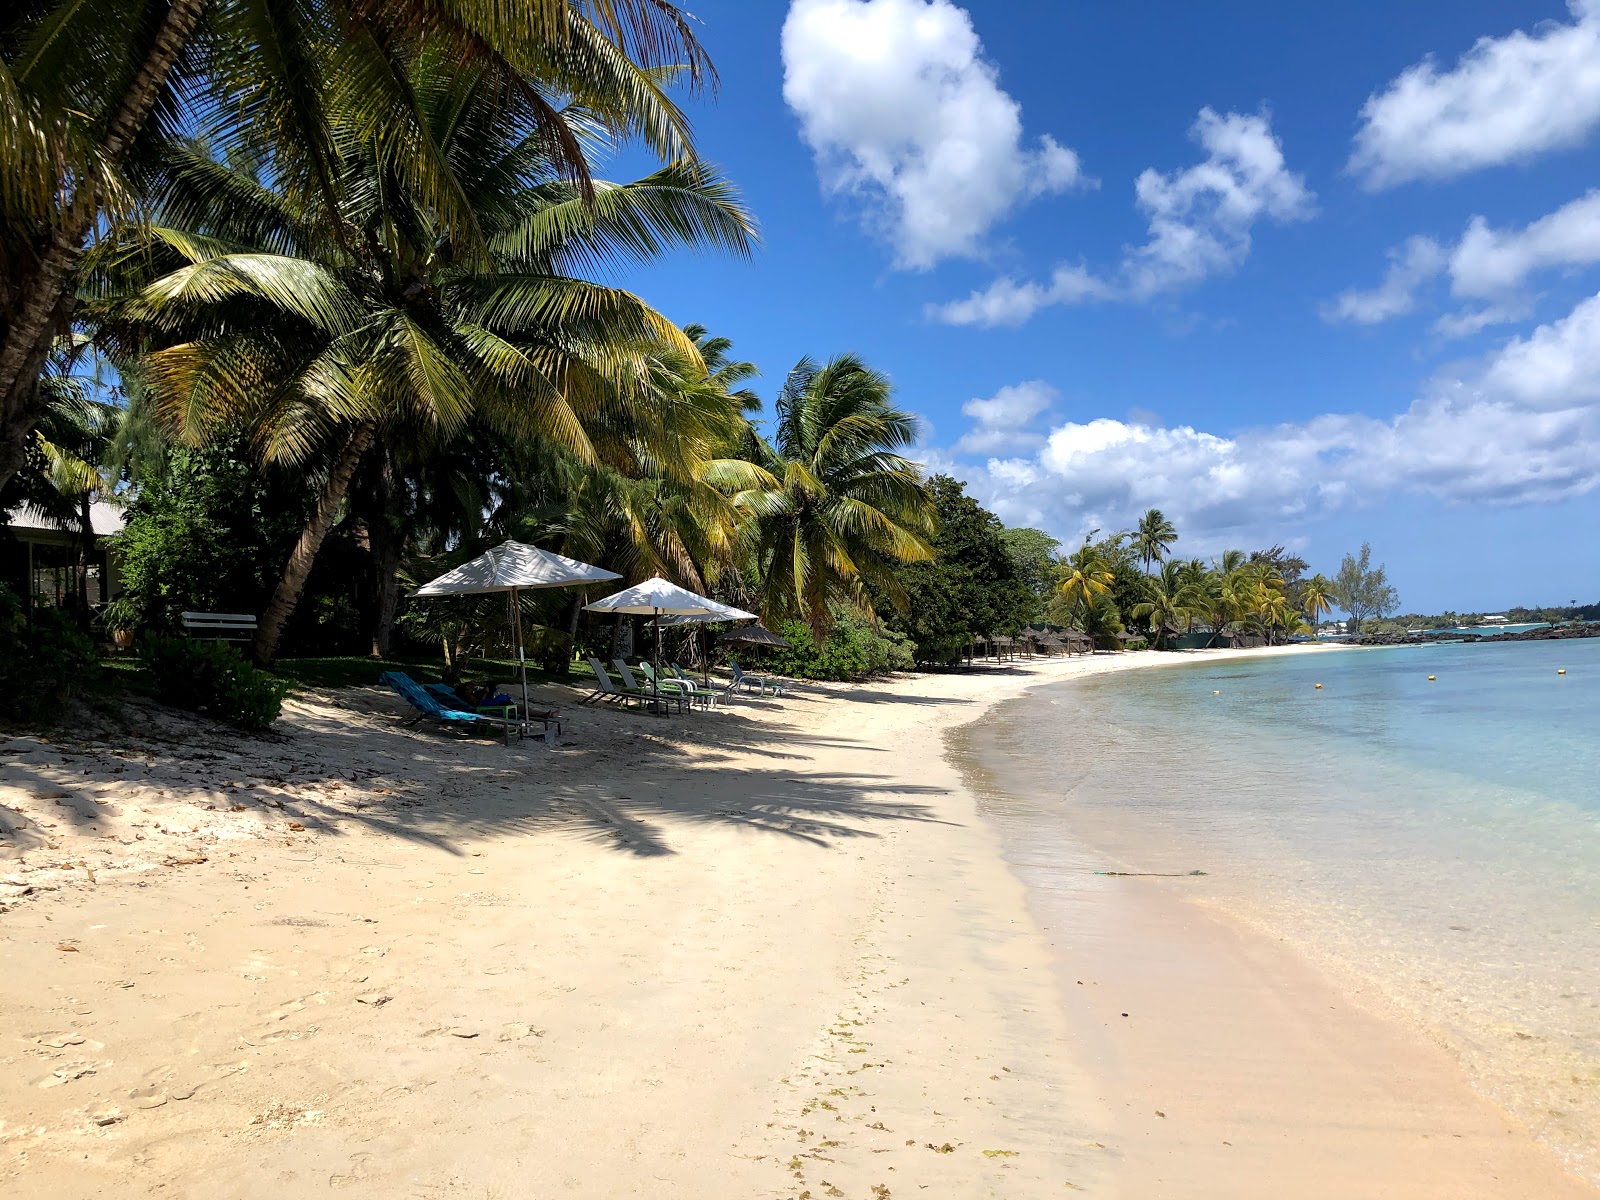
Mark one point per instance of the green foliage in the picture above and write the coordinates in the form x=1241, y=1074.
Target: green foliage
x=211, y=678
x=1034, y=553
x=206, y=533
x=845, y=508
x=852, y=650
x=45, y=658
x=1363, y=590
x=972, y=584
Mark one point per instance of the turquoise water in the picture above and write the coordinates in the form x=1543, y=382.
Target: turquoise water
x=1440, y=839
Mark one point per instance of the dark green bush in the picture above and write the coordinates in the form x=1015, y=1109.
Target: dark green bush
x=211, y=678
x=854, y=650
x=45, y=658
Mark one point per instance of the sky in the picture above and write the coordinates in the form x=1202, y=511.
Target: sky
x=1295, y=274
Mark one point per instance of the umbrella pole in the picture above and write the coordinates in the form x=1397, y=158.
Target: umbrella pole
x=655, y=675
x=522, y=655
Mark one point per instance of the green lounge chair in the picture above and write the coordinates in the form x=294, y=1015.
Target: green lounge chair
x=632, y=685
x=759, y=682
x=705, y=697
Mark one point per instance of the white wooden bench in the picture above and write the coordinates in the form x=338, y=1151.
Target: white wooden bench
x=219, y=627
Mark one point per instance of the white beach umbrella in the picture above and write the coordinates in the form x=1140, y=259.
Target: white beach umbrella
x=659, y=598
x=513, y=567
x=727, y=613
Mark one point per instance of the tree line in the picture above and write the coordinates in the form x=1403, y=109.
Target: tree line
x=319, y=291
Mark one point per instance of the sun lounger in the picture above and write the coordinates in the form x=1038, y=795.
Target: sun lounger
x=659, y=694
x=759, y=682
x=705, y=697
x=609, y=689
x=626, y=691
x=447, y=696
x=430, y=706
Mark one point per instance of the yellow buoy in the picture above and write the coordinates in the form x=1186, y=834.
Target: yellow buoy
x=1562, y=671
x=1319, y=687
x=1216, y=693
x=1430, y=678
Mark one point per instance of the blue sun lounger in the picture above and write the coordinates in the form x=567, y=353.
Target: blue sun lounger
x=429, y=706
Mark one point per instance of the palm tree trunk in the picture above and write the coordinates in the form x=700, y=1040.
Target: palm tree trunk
x=384, y=544
x=85, y=546
x=298, y=569
x=47, y=298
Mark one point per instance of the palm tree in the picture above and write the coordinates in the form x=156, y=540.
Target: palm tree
x=1153, y=536
x=93, y=92
x=1085, y=577
x=326, y=328
x=1168, y=608
x=1316, y=599
x=846, y=507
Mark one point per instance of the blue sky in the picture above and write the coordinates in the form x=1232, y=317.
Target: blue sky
x=1293, y=274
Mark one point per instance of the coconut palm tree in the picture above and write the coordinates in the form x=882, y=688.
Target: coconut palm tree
x=1316, y=598
x=324, y=328
x=92, y=93
x=846, y=507
x=1169, y=607
x=1085, y=577
x=1152, y=537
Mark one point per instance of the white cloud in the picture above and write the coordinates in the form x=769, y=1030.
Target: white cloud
x=1410, y=266
x=901, y=109
x=1506, y=100
x=1487, y=266
x=1489, y=262
x=1200, y=222
x=1200, y=218
x=1520, y=426
x=1007, y=302
x=1004, y=421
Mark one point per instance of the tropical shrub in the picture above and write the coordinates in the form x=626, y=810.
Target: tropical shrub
x=211, y=678
x=853, y=650
x=203, y=535
x=45, y=658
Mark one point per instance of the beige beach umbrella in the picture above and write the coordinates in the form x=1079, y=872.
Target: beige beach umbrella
x=514, y=567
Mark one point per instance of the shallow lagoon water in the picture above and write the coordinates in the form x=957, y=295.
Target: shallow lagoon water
x=1440, y=839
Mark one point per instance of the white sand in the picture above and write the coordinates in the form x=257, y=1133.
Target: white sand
x=768, y=952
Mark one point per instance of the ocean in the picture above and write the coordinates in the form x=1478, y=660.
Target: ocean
x=1439, y=838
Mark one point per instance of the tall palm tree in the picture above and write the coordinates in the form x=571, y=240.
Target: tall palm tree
x=847, y=506
x=93, y=91
x=1153, y=536
x=1170, y=604
x=1316, y=598
x=324, y=327
x=1085, y=577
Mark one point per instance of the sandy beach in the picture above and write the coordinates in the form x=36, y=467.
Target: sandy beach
x=774, y=951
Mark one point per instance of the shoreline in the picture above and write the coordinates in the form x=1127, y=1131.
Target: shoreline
x=1240, y=1064
x=759, y=953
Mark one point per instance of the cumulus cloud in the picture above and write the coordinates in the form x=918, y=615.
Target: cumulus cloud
x=1200, y=220
x=902, y=110
x=1008, y=302
x=1519, y=426
x=1506, y=100
x=1487, y=267
x=1488, y=262
x=1419, y=260
x=1005, y=420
